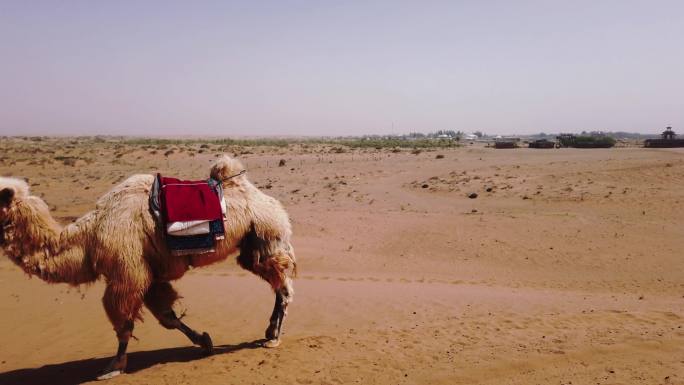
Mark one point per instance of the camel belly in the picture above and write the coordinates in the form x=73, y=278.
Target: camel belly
x=206, y=259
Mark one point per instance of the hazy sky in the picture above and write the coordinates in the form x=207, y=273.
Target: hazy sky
x=334, y=68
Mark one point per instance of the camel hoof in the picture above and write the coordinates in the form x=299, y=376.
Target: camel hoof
x=110, y=375
x=274, y=343
x=206, y=344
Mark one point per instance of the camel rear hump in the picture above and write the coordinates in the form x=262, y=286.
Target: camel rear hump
x=228, y=171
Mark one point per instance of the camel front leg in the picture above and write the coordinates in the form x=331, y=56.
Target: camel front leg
x=170, y=321
x=160, y=298
x=121, y=309
x=118, y=364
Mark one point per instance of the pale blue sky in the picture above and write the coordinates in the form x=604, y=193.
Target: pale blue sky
x=334, y=68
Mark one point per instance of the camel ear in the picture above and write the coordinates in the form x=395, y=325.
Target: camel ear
x=6, y=196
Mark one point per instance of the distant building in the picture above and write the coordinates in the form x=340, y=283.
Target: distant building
x=668, y=139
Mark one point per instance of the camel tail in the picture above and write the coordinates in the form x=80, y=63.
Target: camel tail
x=293, y=260
x=294, y=269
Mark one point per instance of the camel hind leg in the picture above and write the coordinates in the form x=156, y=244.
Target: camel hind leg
x=273, y=261
x=159, y=299
x=283, y=297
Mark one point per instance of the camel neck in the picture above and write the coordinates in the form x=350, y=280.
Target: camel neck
x=32, y=228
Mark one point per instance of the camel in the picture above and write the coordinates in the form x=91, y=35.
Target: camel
x=120, y=242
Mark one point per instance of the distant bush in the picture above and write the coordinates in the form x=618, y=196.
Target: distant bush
x=594, y=142
x=67, y=160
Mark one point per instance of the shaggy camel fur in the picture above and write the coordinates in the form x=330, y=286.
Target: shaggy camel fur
x=121, y=242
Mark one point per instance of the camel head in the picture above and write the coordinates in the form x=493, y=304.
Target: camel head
x=12, y=191
x=27, y=230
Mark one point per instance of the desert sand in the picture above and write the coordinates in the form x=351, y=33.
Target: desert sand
x=567, y=268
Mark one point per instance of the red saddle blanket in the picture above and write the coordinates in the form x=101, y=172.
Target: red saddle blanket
x=185, y=200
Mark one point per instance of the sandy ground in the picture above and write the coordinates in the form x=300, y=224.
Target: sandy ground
x=566, y=269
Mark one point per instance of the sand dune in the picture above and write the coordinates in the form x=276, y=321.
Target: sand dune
x=565, y=269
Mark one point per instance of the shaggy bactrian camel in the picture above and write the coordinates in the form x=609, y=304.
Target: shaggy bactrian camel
x=121, y=242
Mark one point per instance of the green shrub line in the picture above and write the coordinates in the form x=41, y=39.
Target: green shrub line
x=393, y=143
x=584, y=141
x=261, y=142
x=218, y=142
